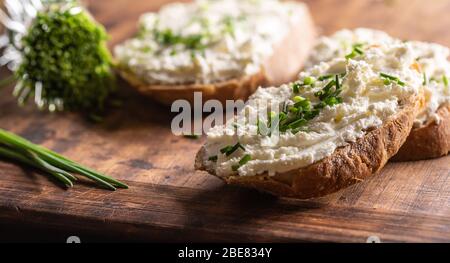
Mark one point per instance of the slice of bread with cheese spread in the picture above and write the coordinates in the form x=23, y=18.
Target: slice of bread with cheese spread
x=430, y=137
x=336, y=126
x=223, y=48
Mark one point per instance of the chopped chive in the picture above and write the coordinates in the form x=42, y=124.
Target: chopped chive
x=226, y=149
x=356, y=51
x=391, y=79
x=425, y=79
x=247, y=158
x=298, y=99
x=308, y=81
x=325, y=77
x=351, y=55
x=213, y=158
x=359, y=50
x=293, y=110
x=283, y=116
x=338, y=85
x=229, y=150
x=304, y=104
x=445, y=80
x=387, y=76
x=298, y=123
x=296, y=87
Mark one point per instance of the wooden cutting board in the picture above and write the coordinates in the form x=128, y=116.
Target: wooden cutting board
x=168, y=201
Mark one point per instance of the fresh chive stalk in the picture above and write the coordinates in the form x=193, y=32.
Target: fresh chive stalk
x=19, y=149
x=388, y=79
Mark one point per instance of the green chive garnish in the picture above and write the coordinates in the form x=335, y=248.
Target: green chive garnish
x=296, y=87
x=213, y=158
x=308, y=81
x=356, y=51
x=391, y=79
x=445, y=80
x=325, y=77
x=229, y=150
x=235, y=167
x=247, y=158
x=298, y=99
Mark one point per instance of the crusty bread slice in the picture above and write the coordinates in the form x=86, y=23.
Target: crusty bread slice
x=346, y=166
x=282, y=67
x=428, y=142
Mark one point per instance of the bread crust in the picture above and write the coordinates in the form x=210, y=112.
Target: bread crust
x=428, y=142
x=346, y=166
x=282, y=67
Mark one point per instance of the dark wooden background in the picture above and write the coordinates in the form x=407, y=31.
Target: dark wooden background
x=168, y=201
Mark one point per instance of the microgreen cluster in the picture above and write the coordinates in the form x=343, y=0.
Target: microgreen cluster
x=65, y=61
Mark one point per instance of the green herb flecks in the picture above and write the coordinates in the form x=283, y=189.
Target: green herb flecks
x=297, y=116
x=229, y=25
x=389, y=79
x=247, y=158
x=66, y=64
x=445, y=81
x=18, y=149
x=425, y=79
x=307, y=81
x=213, y=158
x=168, y=38
x=357, y=50
x=325, y=77
x=229, y=150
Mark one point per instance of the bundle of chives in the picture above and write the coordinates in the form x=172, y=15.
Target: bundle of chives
x=16, y=148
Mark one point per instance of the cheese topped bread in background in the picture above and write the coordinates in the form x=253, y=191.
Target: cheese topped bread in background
x=206, y=44
x=430, y=137
x=337, y=125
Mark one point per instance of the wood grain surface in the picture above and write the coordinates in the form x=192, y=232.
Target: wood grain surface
x=169, y=201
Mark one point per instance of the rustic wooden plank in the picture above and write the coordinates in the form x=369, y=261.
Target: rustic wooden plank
x=169, y=201
x=222, y=214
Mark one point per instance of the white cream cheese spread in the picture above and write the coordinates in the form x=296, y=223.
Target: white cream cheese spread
x=207, y=41
x=332, y=115
x=432, y=59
